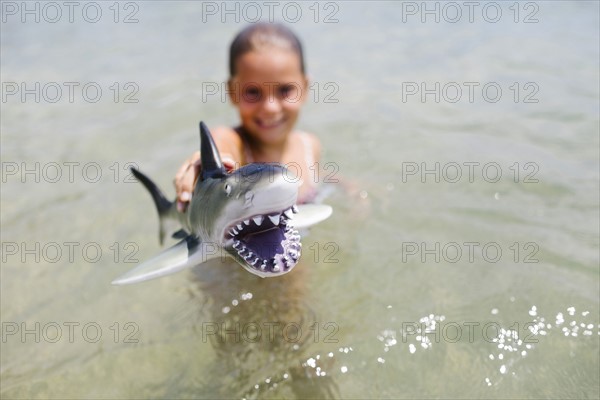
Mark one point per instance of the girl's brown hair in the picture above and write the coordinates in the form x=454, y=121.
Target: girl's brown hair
x=260, y=35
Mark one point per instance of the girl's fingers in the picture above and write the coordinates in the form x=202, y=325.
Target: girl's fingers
x=184, y=181
x=184, y=189
x=228, y=163
x=186, y=177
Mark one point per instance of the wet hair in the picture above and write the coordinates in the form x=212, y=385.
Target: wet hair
x=261, y=35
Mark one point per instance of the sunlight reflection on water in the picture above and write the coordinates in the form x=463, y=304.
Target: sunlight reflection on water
x=361, y=316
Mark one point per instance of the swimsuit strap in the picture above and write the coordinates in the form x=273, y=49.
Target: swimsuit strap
x=247, y=152
x=308, y=151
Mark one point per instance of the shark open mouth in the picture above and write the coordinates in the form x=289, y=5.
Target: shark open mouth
x=267, y=243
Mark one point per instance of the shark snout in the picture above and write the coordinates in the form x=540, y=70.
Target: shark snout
x=257, y=229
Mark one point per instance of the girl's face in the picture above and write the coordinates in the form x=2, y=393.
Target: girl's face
x=268, y=89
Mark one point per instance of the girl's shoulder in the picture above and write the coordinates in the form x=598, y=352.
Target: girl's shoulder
x=228, y=142
x=225, y=134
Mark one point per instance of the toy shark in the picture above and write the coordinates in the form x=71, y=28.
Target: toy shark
x=249, y=214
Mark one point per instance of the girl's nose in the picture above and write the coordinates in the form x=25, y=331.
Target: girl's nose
x=272, y=104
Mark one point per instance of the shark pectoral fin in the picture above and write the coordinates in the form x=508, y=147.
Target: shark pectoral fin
x=184, y=254
x=180, y=234
x=310, y=214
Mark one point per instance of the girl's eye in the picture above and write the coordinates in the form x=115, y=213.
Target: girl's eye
x=252, y=94
x=227, y=189
x=287, y=91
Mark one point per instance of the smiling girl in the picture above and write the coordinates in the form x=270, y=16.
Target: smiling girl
x=268, y=87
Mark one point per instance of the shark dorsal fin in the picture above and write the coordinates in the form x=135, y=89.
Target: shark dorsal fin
x=212, y=166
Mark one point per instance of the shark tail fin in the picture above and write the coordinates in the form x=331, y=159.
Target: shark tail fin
x=163, y=205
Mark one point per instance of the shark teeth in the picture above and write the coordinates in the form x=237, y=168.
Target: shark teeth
x=279, y=219
x=275, y=218
x=279, y=262
x=288, y=213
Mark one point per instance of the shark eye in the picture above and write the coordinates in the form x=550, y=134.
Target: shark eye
x=227, y=189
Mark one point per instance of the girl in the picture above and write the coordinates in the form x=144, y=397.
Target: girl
x=268, y=86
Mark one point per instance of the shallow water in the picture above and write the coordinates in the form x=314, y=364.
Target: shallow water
x=462, y=259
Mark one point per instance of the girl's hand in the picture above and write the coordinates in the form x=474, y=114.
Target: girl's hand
x=186, y=177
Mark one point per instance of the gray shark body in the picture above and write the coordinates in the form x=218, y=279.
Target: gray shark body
x=246, y=215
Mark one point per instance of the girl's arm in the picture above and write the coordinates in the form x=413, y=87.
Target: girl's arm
x=228, y=143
